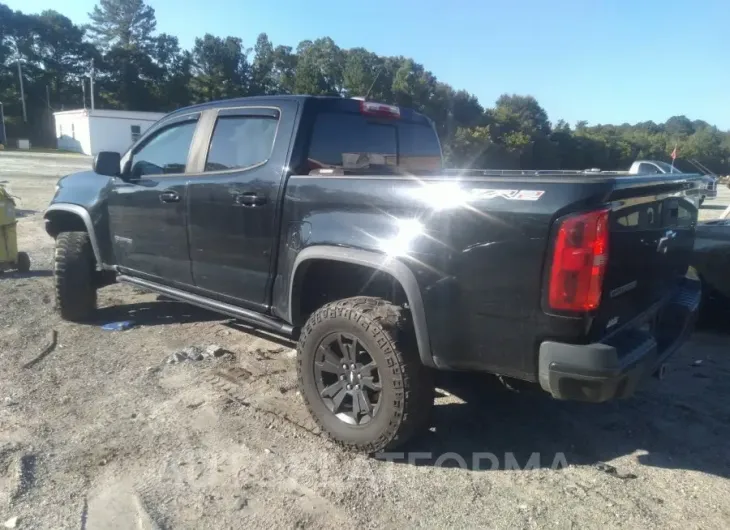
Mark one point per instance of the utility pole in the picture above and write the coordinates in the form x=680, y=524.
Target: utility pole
x=48, y=99
x=22, y=90
x=91, y=84
x=4, y=138
x=83, y=90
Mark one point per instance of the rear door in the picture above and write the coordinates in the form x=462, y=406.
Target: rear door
x=234, y=200
x=147, y=206
x=650, y=247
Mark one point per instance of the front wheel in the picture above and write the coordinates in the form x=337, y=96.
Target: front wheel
x=73, y=274
x=360, y=374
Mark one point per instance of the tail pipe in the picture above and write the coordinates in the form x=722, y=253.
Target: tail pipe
x=661, y=372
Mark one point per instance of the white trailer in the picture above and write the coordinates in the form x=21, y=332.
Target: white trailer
x=90, y=131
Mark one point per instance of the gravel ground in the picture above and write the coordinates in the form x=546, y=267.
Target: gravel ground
x=104, y=433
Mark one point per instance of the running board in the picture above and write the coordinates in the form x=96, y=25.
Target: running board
x=251, y=317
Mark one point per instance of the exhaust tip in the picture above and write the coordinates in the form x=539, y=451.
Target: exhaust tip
x=661, y=372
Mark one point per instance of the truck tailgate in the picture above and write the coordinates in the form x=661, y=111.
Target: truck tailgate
x=650, y=246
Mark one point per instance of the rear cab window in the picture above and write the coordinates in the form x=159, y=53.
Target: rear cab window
x=353, y=141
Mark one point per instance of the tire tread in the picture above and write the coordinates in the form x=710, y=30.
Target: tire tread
x=389, y=325
x=73, y=272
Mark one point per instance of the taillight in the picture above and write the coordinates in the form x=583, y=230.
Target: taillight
x=579, y=262
x=372, y=108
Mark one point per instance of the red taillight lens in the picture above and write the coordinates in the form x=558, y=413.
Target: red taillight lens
x=373, y=108
x=579, y=262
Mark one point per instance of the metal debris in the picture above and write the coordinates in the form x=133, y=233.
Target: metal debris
x=45, y=351
x=122, y=325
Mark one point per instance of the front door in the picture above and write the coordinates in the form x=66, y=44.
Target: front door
x=233, y=202
x=147, y=205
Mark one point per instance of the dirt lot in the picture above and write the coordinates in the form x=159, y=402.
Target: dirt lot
x=104, y=433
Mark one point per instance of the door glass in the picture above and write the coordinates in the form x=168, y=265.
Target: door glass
x=241, y=141
x=166, y=152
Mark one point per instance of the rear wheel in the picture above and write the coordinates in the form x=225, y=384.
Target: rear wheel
x=360, y=374
x=23, y=263
x=73, y=274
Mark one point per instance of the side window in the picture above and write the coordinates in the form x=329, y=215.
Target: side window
x=240, y=142
x=648, y=169
x=166, y=152
x=136, y=132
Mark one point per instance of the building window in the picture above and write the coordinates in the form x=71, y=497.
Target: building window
x=60, y=129
x=136, y=132
x=73, y=131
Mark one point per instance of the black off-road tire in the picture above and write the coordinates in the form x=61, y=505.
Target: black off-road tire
x=23, y=262
x=74, y=276
x=407, y=385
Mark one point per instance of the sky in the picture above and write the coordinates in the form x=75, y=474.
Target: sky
x=604, y=61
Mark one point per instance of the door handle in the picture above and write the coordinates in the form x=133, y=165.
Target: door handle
x=249, y=200
x=169, y=196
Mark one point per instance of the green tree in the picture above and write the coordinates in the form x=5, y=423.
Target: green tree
x=285, y=65
x=360, y=71
x=173, y=73
x=263, y=80
x=220, y=68
x=127, y=24
x=320, y=66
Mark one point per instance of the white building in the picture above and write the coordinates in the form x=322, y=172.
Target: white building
x=90, y=131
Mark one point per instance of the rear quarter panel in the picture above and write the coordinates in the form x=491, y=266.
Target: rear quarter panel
x=478, y=257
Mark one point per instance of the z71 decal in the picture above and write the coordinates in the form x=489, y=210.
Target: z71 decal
x=511, y=195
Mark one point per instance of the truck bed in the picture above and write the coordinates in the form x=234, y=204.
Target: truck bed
x=478, y=243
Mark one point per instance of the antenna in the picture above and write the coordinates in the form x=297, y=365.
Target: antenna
x=373, y=83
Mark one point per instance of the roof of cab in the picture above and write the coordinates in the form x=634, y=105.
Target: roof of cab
x=320, y=103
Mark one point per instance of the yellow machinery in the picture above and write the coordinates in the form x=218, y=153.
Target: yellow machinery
x=10, y=258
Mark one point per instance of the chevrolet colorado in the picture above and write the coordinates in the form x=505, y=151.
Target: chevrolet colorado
x=330, y=220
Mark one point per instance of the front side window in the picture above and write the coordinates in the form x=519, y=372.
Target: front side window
x=241, y=142
x=166, y=152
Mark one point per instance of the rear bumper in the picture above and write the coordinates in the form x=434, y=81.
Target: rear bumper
x=602, y=371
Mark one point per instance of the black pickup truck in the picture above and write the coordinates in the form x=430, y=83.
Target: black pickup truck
x=330, y=220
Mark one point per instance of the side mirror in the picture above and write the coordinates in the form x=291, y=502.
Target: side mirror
x=107, y=163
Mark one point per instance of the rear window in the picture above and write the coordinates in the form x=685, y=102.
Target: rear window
x=353, y=141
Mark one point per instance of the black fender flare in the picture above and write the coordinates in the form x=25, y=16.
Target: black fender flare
x=397, y=269
x=84, y=215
